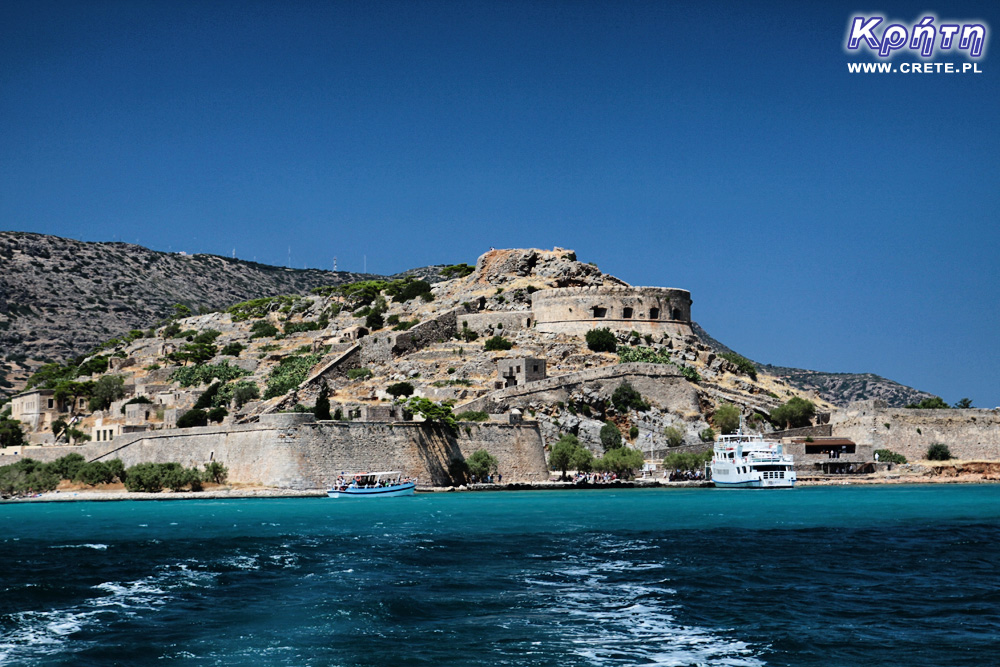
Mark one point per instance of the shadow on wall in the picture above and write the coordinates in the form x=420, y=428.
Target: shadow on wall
x=439, y=450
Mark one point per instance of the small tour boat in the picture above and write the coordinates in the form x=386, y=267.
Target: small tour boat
x=745, y=461
x=373, y=484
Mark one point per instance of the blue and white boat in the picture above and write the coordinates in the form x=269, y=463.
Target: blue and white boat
x=373, y=485
x=745, y=461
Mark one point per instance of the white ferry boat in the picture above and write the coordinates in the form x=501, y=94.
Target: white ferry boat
x=373, y=485
x=745, y=461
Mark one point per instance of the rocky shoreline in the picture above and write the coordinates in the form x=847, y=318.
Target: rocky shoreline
x=957, y=476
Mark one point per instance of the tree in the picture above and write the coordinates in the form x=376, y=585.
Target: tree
x=938, y=452
x=796, y=413
x=601, y=340
x=107, y=390
x=95, y=472
x=964, y=404
x=674, y=436
x=58, y=427
x=482, y=463
x=181, y=311
x=67, y=467
x=374, y=320
x=11, y=434
x=568, y=453
x=439, y=413
x=621, y=461
x=193, y=418
x=687, y=460
x=68, y=391
x=627, y=397
x=611, y=437
x=727, y=417
x=400, y=389
x=707, y=435
x=496, y=344
x=216, y=472
x=933, y=403
x=322, y=409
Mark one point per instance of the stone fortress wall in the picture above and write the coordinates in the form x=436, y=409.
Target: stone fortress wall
x=970, y=434
x=576, y=310
x=294, y=451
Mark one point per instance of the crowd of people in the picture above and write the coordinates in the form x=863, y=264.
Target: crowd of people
x=595, y=478
x=684, y=475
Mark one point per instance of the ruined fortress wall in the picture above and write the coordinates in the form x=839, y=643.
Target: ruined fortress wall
x=660, y=383
x=644, y=309
x=382, y=347
x=969, y=434
x=290, y=451
x=491, y=322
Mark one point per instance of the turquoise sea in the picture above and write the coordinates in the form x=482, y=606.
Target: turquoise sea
x=901, y=575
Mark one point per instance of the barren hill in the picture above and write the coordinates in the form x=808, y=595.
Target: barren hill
x=59, y=297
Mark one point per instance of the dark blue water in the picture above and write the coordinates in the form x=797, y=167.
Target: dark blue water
x=814, y=576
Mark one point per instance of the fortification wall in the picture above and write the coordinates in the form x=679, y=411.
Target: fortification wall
x=643, y=309
x=660, y=383
x=969, y=434
x=494, y=322
x=292, y=451
x=382, y=348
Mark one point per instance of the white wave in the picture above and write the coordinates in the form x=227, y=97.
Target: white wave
x=99, y=547
x=607, y=621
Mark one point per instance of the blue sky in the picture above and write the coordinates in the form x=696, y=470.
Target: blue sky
x=821, y=219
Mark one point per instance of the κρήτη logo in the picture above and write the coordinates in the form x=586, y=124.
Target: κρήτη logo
x=925, y=38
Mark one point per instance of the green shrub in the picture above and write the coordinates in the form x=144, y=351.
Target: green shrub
x=727, y=418
x=207, y=399
x=400, y=389
x=107, y=390
x=646, y=355
x=288, y=374
x=687, y=460
x=190, y=376
x=374, y=321
x=217, y=414
x=66, y=467
x=359, y=373
x=601, y=340
x=263, y=329
x=674, y=436
x=93, y=473
x=257, y=308
x=707, y=435
x=690, y=374
x=633, y=432
x=611, y=437
x=232, y=350
x=11, y=434
x=889, y=456
x=743, y=365
x=456, y=271
x=144, y=400
x=241, y=393
x=938, y=452
x=934, y=403
x=497, y=343
x=406, y=326
x=482, y=463
x=795, y=413
x=193, y=418
x=216, y=472
x=626, y=397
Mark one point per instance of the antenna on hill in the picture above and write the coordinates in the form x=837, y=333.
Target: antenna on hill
x=366, y=263
x=289, y=264
x=234, y=253
x=334, y=263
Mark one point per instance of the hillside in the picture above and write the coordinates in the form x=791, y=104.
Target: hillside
x=59, y=297
x=840, y=389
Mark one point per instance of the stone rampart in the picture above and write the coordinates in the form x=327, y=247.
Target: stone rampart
x=496, y=322
x=970, y=434
x=660, y=383
x=384, y=347
x=292, y=451
x=644, y=309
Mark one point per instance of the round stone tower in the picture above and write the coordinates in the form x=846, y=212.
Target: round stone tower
x=652, y=310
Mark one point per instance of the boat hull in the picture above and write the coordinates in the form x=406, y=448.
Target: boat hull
x=756, y=484
x=393, y=491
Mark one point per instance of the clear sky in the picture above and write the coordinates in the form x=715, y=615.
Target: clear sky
x=821, y=219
